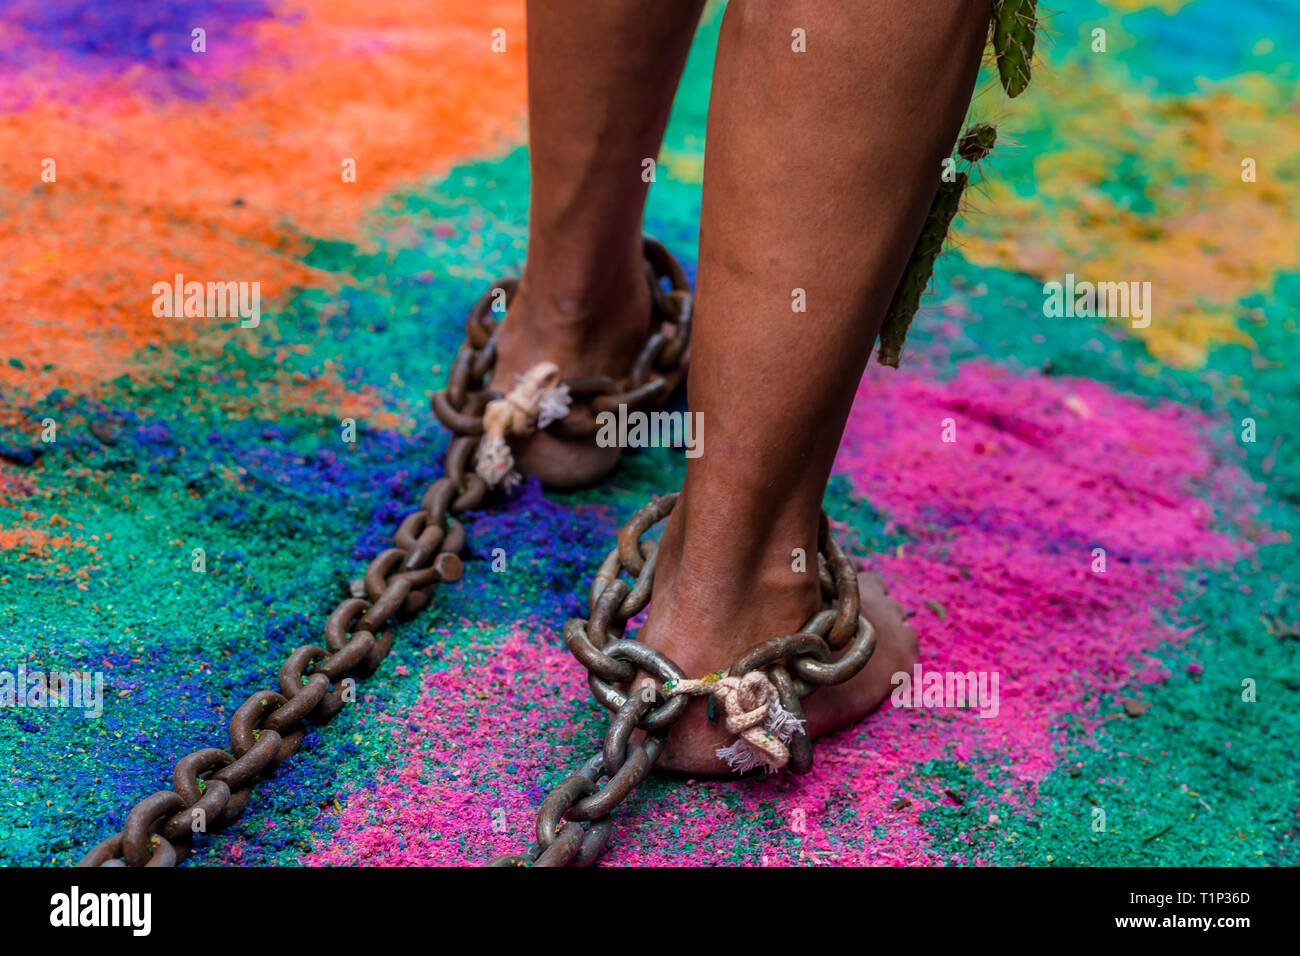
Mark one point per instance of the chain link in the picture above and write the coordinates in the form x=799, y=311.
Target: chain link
x=797, y=664
x=654, y=376
x=211, y=786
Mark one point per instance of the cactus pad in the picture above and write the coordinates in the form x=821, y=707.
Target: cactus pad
x=919, y=269
x=1014, y=23
x=977, y=142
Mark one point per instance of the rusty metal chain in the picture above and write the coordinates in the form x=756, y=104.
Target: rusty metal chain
x=214, y=785
x=653, y=378
x=797, y=664
x=267, y=728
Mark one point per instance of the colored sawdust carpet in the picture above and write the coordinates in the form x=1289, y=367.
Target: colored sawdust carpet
x=1147, y=713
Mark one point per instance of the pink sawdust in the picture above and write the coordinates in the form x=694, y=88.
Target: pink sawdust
x=1002, y=522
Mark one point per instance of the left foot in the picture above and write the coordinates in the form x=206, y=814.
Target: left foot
x=591, y=335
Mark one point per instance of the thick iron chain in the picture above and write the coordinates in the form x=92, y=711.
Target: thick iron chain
x=212, y=785
x=797, y=664
x=653, y=378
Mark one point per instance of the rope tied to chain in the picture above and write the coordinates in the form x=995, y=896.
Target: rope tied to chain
x=215, y=784
x=760, y=692
x=538, y=399
x=754, y=713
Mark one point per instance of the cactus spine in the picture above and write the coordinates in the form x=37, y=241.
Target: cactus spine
x=977, y=142
x=1014, y=23
x=1014, y=26
x=919, y=269
x=974, y=145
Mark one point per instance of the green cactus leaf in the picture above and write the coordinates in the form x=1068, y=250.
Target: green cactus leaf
x=919, y=270
x=1014, y=23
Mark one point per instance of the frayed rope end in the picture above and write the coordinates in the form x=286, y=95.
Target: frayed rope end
x=538, y=399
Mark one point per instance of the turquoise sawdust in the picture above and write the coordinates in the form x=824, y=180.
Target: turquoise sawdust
x=236, y=451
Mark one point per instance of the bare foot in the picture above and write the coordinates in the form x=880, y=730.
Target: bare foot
x=597, y=334
x=704, y=624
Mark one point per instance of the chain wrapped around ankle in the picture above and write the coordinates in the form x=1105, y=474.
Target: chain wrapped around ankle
x=214, y=785
x=795, y=665
x=649, y=383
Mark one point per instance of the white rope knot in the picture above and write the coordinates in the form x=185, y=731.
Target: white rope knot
x=754, y=713
x=538, y=399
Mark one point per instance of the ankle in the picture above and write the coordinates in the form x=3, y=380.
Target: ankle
x=577, y=301
x=731, y=559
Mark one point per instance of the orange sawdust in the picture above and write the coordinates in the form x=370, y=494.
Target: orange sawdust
x=229, y=188
x=38, y=543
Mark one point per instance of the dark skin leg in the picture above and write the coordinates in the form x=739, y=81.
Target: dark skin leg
x=820, y=168
x=601, y=79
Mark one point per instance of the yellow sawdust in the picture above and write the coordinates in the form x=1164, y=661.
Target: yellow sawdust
x=1165, y=6
x=1208, y=238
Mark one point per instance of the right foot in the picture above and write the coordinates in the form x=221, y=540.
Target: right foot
x=598, y=335
x=712, y=605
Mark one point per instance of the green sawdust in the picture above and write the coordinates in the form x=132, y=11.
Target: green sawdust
x=1201, y=760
